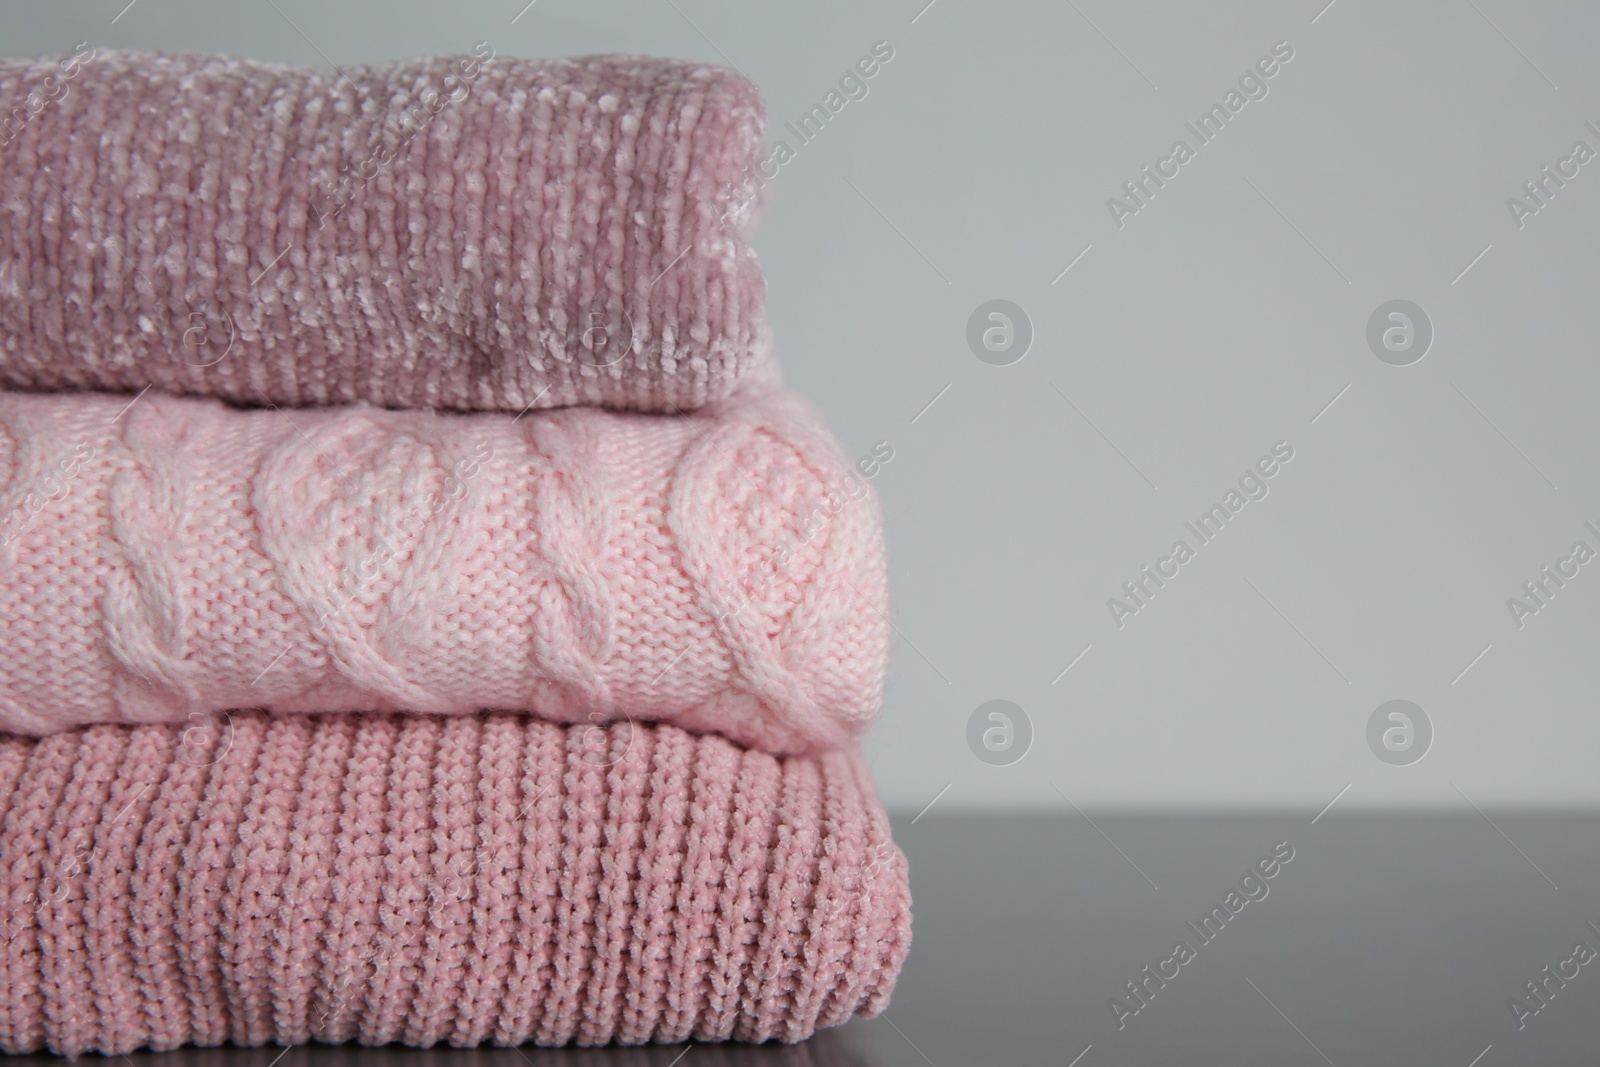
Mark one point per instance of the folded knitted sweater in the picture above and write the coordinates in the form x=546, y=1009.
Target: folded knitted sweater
x=469, y=232
x=478, y=879
x=721, y=571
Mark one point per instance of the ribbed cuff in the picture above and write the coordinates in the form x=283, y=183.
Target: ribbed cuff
x=465, y=880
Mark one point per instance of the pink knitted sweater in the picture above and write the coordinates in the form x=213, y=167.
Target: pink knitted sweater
x=722, y=571
x=406, y=878
x=469, y=232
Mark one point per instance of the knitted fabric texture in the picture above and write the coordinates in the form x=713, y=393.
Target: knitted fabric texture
x=722, y=571
x=472, y=232
x=400, y=878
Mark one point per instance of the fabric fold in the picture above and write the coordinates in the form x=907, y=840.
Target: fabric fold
x=168, y=557
x=473, y=232
x=403, y=878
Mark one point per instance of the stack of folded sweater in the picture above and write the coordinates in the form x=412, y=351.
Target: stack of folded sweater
x=424, y=615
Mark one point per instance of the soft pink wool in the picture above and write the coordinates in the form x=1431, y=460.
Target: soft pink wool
x=405, y=878
x=721, y=571
x=473, y=232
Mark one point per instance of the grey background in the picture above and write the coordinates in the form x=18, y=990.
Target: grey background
x=1223, y=317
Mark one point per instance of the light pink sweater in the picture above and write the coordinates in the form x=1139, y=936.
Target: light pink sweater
x=465, y=232
x=479, y=879
x=722, y=571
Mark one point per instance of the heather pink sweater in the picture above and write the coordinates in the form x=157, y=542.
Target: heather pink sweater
x=467, y=232
x=722, y=571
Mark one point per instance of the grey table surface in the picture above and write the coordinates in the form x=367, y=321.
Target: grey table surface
x=1385, y=939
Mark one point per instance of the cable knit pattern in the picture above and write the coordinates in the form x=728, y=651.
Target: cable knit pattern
x=481, y=879
x=722, y=571
x=473, y=232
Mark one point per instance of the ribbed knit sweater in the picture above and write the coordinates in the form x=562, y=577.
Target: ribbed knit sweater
x=403, y=878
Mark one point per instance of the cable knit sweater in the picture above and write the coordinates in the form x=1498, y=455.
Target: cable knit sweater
x=468, y=232
x=722, y=571
x=480, y=879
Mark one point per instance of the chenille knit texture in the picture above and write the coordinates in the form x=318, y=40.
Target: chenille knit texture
x=476, y=232
x=166, y=556
x=406, y=878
